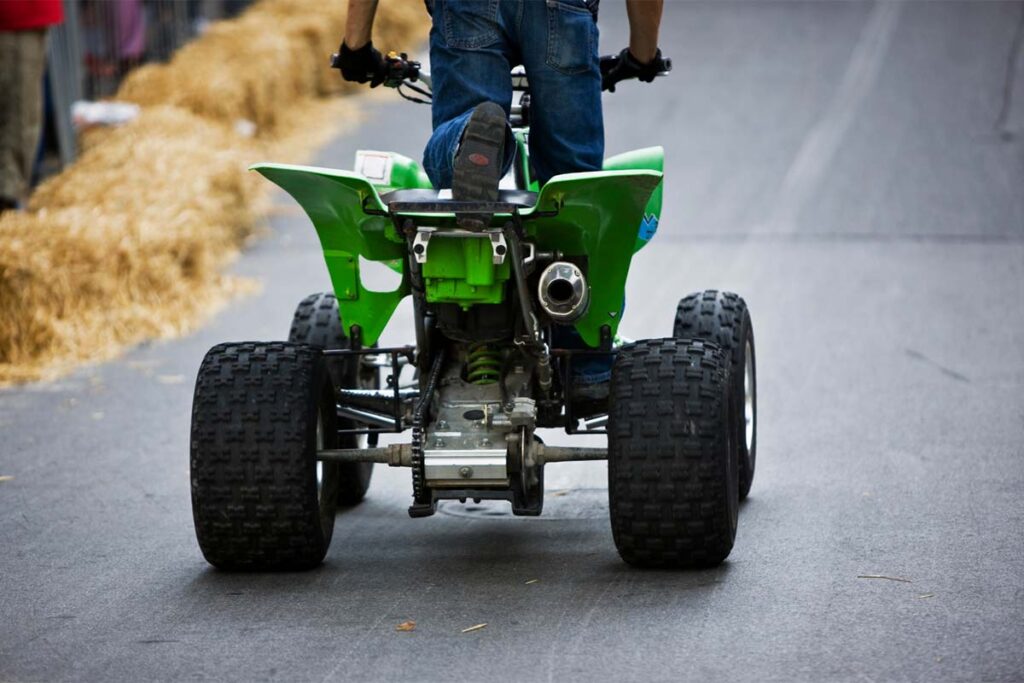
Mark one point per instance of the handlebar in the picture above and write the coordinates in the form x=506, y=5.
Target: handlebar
x=624, y=67
x=395, y=70
x=398, y=71
x=398, y=68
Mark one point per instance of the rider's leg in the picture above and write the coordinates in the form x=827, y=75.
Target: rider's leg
x=470, y=57
x=559, y=51
x=559, y=45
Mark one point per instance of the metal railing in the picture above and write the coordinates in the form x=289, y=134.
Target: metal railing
x=101, y=41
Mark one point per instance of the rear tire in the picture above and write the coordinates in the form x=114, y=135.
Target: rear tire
x=672, y=470
x=317, y=322
x=723, y=318
x=259, y=413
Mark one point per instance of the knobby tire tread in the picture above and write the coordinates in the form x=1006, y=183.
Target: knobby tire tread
x=671, y=467
x=253, y=461
x=317, y=322
x=723, y=318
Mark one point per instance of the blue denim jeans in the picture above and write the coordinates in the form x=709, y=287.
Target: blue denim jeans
x=473, y=46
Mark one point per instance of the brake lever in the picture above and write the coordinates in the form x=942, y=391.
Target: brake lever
x=399, y=68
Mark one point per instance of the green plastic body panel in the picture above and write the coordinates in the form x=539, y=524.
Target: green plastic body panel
x=401, y=173
x=585, y=215
x=651, y=158
x=461, y=271
x=592, y=215
x=597, y=215
x=523, y=157
x=648, y=158
x=334, y=201
x=458, y=271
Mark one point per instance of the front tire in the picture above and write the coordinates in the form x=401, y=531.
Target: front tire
x=317, y=322
x=259, y=414
x=672, y=470
x=723, y=318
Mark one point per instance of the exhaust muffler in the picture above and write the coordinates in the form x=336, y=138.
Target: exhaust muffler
x=563, y=292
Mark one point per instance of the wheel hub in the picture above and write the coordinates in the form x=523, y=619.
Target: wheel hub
x=748, y=396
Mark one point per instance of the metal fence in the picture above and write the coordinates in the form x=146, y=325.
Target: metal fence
x=101, y=41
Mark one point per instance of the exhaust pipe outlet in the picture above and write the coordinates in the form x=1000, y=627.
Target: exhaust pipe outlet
x=563, y=292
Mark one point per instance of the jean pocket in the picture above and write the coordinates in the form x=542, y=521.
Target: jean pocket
x=572, y=36
x=469, y=24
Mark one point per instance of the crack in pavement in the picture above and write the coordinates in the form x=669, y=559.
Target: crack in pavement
x=949, y=372
x=822, y=142
x=1006, y=104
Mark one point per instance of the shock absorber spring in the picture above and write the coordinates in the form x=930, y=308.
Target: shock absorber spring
x=483, y=364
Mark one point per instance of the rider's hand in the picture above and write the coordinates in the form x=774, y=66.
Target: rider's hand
x=624, y=66
x=365, y=65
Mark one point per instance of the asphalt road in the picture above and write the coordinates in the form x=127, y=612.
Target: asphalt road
x=854, y=171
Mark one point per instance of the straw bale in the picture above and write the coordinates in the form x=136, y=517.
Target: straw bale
x=274, y=53
x=129, y=243
x=126, y=244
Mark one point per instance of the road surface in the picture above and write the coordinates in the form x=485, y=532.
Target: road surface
x=856, y=171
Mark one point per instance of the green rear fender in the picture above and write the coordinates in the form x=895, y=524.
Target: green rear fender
x=596, y=218
x=389, y=171
x=590, y=215
x=653, y=159
x=334, y=201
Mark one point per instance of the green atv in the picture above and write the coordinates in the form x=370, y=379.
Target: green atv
x=283, y=433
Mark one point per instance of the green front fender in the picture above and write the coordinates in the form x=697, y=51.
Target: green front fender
x=334, y=201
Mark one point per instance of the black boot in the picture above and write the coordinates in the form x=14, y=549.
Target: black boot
x=481, y=155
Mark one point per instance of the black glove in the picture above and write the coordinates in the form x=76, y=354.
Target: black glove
x=624, y=65
x=365, y=65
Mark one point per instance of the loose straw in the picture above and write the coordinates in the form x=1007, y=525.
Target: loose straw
x=130, y=242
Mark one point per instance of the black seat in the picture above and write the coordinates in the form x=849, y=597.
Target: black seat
x=520, y=198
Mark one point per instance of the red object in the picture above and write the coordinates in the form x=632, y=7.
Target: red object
x=22, y=15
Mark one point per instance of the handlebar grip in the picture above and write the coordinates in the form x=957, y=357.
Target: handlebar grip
x=623, y=67
x=393, y=69
x=399, y=68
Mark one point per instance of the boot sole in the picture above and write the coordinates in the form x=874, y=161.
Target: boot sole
x=477, y=167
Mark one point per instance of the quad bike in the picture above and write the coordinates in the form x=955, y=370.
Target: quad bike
x=283, y=433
